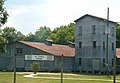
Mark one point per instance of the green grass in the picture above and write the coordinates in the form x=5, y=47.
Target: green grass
x=7, y=77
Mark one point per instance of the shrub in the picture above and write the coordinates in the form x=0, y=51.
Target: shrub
x=35, y=67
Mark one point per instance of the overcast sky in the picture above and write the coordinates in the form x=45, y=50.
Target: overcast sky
x=28, y=15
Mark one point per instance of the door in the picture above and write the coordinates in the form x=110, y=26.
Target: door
x=95, y=64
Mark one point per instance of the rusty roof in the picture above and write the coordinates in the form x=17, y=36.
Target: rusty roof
x=54, y=49
x=118, y=52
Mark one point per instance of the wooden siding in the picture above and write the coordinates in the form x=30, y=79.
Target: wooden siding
x=23, y=64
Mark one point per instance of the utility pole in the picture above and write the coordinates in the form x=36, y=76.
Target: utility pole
x=107, y=33
x=114, y=63
x=62, y=68
x=15, y=68
x=114, y=70
x=15, y=52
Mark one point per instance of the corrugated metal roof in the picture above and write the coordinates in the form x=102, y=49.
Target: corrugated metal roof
x=54, y=49
x=58, y=50
x=118, y=52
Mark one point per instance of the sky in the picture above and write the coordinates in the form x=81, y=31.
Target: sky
x=28, y=15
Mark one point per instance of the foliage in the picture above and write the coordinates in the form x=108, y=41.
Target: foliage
x=118, y=36
x=3, y=20
x=59, y=35
x=3, y=13
x=20, y=36
x=3, y=43
x=63, y=34
x=35, y=66
x=30, y=37
x=11, y=34
x=42, y=33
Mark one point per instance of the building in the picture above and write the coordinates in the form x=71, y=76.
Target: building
x=118, y=60
x=93, y=36
x=91, y=44
x=48, y=55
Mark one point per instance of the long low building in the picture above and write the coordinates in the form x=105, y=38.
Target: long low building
x=48, y=55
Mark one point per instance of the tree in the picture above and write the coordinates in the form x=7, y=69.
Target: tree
x=63, y=34
x=3, y=13
x=118, y=36
x=20, y=36
x=31, y=37
x=43, y=33
x=3, y=43
x=11, y=35
x=3, y=20
x=35, y=67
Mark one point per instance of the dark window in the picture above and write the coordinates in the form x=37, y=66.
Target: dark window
x=103, y=29
x=93, y=29
x=94, y=44
x=80, y=62
x=112, y=31
x=112, y=46
x=103, y=45
x=103, y=62
x=112, y=62
x=19, y=50
x=80, y=30
x=80, y=44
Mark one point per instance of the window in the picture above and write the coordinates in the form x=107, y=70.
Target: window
x=103, y=45
x=112, y=46
x=103, y=62
x=94, y=44
x=112, y=62
x=80, y=30
x=79, y=61
x=19, y=50
x=103, y=29
x=93, y=29
x=80, y=44
x=112, y=31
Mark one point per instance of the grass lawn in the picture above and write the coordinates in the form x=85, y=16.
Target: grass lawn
x=7, y=77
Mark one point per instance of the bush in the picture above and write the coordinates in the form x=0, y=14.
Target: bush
x=35, y=67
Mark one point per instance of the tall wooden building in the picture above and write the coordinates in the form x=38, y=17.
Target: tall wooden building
x=93, y=52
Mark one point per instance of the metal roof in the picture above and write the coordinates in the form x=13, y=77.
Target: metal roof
x=55, y=49
x=58, y=50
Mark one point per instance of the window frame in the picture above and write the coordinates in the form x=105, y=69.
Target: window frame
x=94, y=44
x=19, y=50
x=80, y=61
x=80, y=44
x=103, y=62
x=112, y=46
x=80, y=30
x=104, y=45
x=93, y=29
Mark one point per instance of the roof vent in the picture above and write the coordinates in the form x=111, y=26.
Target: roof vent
x=71, y=44
x=48, y=42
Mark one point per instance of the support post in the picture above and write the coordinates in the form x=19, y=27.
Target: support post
x=107, y=33
x=114, y=70
x=15, y=68
x=62, y=68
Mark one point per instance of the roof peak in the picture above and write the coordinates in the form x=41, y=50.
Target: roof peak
x=104, y=19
